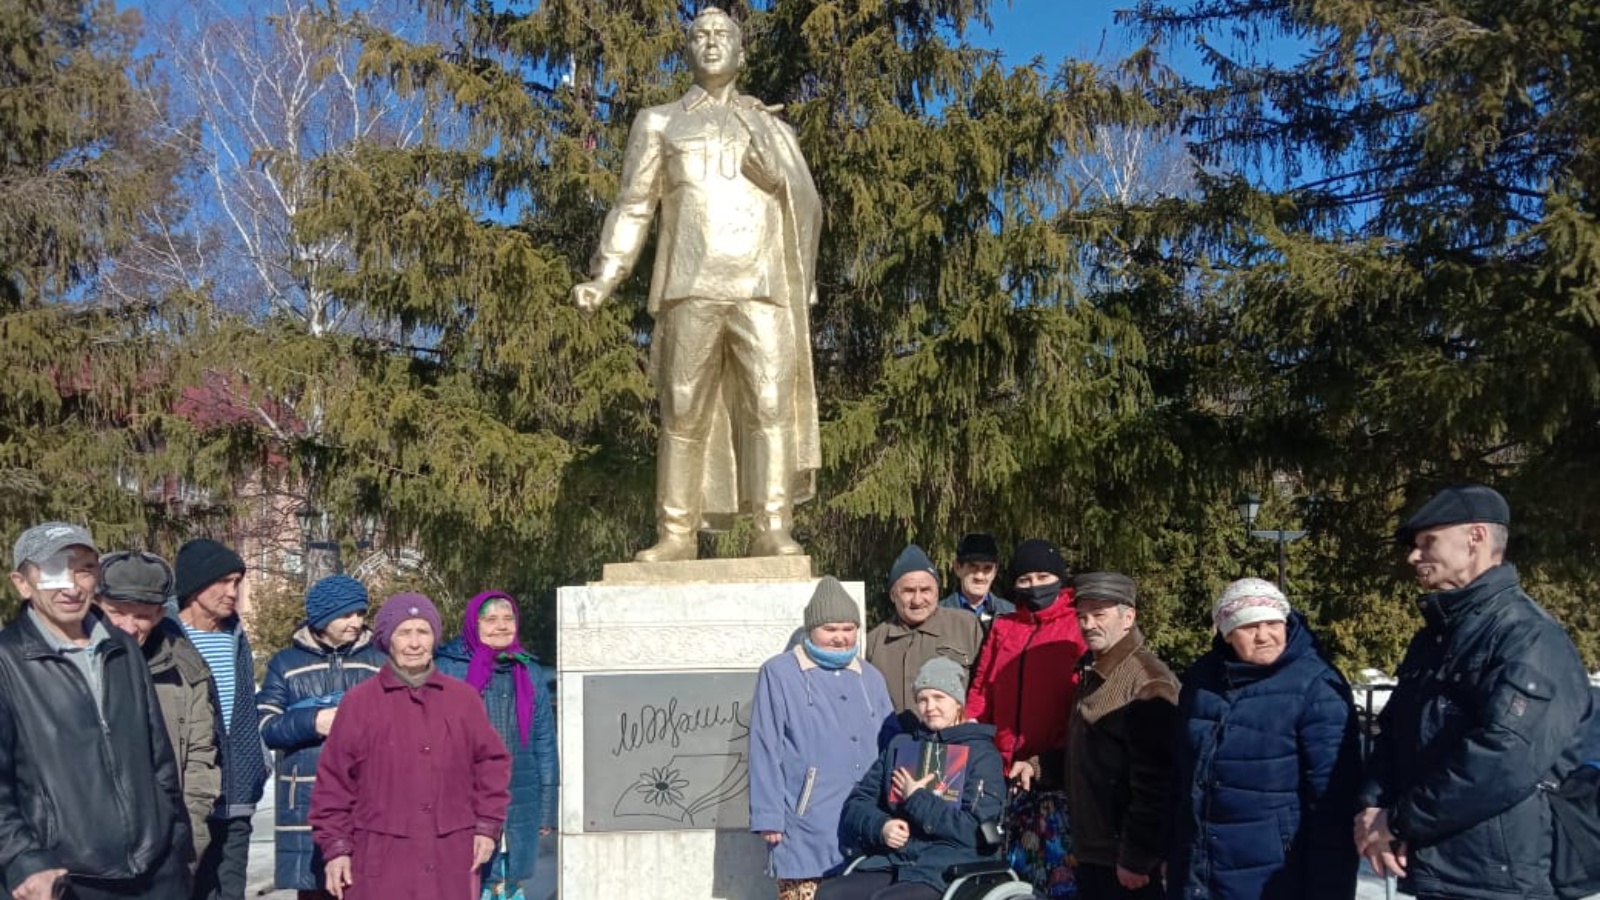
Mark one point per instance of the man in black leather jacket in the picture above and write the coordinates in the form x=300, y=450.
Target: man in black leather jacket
x=90, y=805
x=1490, y=702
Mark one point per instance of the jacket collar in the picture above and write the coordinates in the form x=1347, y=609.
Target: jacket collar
x=698, y=96
x=1297, y=642
x=390, y=680
x=158, y=650
x=1103, y=664
x=306, y=638
x=1448, y=608
x=807, y=663
x=36, y=643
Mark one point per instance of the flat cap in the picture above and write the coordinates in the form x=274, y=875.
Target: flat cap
x=1455, y=506
x=1111, y=587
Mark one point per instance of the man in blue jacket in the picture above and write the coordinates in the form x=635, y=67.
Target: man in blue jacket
x=977, y=565
x=1490, y=702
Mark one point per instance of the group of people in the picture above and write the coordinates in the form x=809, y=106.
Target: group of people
x=134, y=745
x=974, y=728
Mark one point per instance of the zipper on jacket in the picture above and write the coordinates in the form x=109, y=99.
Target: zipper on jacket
x=805, y=792
x=107, y=752
x=1022, y=671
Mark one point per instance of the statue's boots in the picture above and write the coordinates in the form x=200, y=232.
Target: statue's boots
x=772, y=458
x=680, y=471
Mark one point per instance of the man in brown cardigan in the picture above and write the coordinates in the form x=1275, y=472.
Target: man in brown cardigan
x=1119, y=742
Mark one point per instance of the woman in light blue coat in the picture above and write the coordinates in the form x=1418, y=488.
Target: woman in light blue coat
x=814, y=732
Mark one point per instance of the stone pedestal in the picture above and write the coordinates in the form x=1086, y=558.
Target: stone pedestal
x=657, y=666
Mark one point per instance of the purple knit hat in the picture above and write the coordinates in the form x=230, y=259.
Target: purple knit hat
x=398, y=610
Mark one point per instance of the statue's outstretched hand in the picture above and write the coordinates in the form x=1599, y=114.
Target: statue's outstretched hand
x=588, y=295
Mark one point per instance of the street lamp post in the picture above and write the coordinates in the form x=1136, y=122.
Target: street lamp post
x=1249, y=506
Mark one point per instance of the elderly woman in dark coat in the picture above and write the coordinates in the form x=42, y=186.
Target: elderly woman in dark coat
x=489, y=657
x=1267, y=764
x=411, y=788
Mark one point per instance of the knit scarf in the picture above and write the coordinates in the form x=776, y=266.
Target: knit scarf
x=480, y=671
x=829, y=658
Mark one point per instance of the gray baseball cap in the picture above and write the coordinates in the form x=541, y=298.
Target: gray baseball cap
x=135, y=576
x=41, y=542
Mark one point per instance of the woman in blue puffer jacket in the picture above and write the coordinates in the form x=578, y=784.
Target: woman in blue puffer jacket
x=489, y=657
x=1268, y=763
x=331, y=653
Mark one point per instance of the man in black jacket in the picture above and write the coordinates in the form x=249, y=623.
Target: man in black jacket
x=90, y=805
x=1490, y=700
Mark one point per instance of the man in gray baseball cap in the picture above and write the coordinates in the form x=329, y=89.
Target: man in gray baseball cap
x=79, y=690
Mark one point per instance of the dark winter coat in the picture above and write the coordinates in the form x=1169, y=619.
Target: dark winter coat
x=1490, y=698
x=408, y=777
x=943, y=833
x=535, y=775
x=301, y=681
x=1267, y=769
x=90, y=787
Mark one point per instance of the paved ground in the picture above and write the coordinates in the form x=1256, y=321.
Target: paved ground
x=260, y=882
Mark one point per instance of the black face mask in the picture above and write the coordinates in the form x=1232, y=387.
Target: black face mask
x=1038, y=597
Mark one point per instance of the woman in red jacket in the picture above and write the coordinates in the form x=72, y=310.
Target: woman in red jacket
x=1024, y=686
x=412, y=784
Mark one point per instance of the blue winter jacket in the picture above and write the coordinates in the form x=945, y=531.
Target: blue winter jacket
x=943, y=833
x=1268, y=766
x=302, y=680
x=535, y=773
x=814, y=733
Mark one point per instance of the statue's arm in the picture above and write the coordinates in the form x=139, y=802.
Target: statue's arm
x=628, y=223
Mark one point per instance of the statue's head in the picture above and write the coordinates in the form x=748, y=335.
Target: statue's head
x=716, y=46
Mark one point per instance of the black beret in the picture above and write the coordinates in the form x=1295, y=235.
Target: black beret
x=977, y=547
x=1455, y=506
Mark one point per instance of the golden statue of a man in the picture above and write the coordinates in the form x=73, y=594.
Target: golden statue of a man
x=730, y=293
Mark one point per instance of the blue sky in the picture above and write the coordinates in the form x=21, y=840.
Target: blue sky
x=1056, y=29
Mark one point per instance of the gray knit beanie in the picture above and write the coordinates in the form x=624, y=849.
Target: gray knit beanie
x=942, y=674
x=829, y=604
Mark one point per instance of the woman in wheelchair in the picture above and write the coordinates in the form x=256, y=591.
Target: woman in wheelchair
x=923, y=805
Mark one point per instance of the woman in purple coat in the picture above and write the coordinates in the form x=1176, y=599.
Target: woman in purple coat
x=412, y=784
